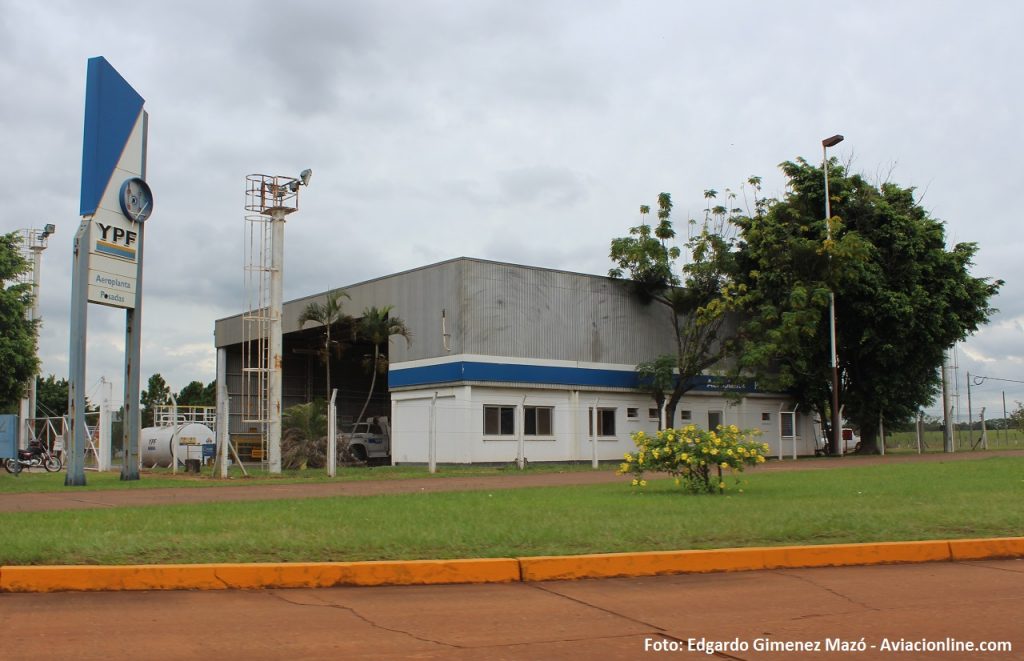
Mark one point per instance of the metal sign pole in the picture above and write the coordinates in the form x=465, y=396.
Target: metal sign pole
x=133, y=350
x=74, y=450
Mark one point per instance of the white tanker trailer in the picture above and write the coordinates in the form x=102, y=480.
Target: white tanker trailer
x=156, y=443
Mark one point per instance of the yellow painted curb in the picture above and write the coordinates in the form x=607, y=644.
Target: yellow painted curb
x=255, y=575
x=652, y=563
x=984, y=549
x=842, y=555
x=492, y=570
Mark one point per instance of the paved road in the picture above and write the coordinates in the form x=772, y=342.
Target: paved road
x=594, y=620
x=628, y=618
x=73, y=498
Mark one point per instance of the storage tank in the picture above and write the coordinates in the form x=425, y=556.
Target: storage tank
x=156, y=443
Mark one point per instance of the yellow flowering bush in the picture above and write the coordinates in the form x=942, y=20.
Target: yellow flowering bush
x=695, y=457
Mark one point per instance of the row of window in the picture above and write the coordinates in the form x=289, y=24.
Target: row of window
x=501, y=420
x=539, y=420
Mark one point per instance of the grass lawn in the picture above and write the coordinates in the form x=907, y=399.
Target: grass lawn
x=982, y=498
x=37, y=481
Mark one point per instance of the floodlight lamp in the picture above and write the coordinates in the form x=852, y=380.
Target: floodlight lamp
x=305, y=175
x=49, y=229
x=832, y=142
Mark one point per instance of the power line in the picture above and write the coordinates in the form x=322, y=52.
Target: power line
x=979, y=380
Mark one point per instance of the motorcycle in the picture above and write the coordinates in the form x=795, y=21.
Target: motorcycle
x=36, y=455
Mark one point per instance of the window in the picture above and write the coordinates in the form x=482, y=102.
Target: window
x=788, y=424
x=685, y=415
x=766, y=416
x=605, y=422
x=633, y=414
x=499, y=420
x=538, y=420
x=653, y=414
x=714, y=420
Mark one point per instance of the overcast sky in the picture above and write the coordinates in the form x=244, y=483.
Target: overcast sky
x=528, y=132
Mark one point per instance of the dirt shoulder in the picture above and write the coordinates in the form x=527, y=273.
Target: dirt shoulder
x=77, y=499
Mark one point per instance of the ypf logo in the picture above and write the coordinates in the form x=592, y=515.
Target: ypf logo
x=116, y=241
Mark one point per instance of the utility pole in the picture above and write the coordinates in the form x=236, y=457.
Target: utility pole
x=947, y=407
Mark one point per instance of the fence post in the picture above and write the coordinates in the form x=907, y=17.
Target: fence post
x=332, y=436
x=432, y=436
x=919, y=429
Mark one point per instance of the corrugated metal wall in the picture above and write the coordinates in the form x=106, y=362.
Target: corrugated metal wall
x=507, y=310
x=525, y=312
x=418, y=297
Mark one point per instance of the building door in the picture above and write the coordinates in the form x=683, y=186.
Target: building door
x=714, y=420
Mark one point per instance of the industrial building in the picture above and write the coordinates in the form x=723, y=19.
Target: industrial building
x=504, y=361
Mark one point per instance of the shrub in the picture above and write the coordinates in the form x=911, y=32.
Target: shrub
x=304, y=441
x=695, y=457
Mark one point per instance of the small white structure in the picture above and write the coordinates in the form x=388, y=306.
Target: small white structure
x=489, y=412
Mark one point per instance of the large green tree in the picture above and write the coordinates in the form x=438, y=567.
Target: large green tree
x=157, y=392
x=18, y=361
x=902, y=297
x=692, y=286
x=196, y=394
x=52, y=396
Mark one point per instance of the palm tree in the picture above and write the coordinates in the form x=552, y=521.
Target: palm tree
x=327, y=315
x=304, y=442
x=377, y=327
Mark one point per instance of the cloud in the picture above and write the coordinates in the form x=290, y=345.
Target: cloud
x=522, y=132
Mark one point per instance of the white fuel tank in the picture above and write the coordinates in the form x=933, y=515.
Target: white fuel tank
x=156, y=443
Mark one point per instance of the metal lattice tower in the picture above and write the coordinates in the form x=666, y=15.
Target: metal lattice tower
x=268, y=201
x=33, y=243
x=26, y=252
x=256, y=323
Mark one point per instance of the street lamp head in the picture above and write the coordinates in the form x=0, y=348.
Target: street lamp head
x=832, y=142
x=49, y=229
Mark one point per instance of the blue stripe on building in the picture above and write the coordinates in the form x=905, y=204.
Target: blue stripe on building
x=467, y=371
x=112, y=108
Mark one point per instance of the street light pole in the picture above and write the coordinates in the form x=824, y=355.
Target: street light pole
x=837, y=422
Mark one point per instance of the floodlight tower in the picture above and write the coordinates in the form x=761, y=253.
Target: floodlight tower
x=271, y=199
x=34, y=242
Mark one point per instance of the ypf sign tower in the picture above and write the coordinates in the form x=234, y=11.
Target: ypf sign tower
x=115, y=204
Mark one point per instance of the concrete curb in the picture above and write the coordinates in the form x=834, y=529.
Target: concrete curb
x=492, y=570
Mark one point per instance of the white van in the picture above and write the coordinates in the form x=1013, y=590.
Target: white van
x=851, y=443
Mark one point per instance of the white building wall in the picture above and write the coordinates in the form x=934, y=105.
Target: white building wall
x=460, y=437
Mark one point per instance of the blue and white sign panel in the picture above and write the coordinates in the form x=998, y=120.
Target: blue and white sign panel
x=114, y=152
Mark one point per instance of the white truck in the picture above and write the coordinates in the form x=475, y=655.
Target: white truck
x=369, y=441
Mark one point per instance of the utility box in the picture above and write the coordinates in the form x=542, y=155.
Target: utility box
x=8, y=436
